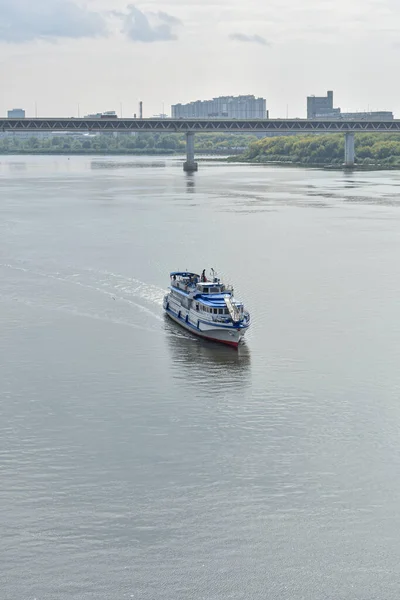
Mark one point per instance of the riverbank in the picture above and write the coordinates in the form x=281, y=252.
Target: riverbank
x=309, y=165
x=141, y=144
x=115, y=152
x=205, y=155
x=375, y=151
x=223, y=155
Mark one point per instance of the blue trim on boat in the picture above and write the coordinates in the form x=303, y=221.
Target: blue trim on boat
x=180, y=291
x=169, y=310
x=213, y=301
x=216, y=303
x=231, y=326
x=206, y=298
x=183, y=274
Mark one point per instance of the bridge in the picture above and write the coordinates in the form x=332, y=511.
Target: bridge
x=192, y=126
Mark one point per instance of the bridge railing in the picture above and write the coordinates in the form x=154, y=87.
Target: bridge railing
x=200, y=125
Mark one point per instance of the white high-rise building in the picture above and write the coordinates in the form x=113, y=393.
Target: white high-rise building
x=228, y=107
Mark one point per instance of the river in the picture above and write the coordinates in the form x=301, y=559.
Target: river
x=139, y=462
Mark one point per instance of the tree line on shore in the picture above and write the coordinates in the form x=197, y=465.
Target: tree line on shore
x=370, y=149
x=141, y=143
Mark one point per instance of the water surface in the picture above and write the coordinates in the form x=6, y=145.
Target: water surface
x=139, y=462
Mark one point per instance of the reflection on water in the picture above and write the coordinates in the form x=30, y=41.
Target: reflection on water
x=190, y=183
x=17, y=166
x=114, y=164
x=198, y=360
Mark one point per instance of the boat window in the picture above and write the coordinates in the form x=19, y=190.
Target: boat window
x=205, y=290
x=221, y=311
x=215, y=311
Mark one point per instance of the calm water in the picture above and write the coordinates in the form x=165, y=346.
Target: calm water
x=138, y=462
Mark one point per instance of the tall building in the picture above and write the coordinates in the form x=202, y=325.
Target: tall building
x=321, y=106
x=230, y=107
x=16, y=113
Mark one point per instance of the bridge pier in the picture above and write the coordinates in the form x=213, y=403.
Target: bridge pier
x=349, y=153
x=190, y=165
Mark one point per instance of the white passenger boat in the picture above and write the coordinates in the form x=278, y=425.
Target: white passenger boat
x=206, y=307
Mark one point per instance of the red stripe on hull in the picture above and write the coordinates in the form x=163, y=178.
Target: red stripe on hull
x=211, y=339
x=226, y=343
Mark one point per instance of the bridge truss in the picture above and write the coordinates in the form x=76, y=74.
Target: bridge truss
x=197, y=125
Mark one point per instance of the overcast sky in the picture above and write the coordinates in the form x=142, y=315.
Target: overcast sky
x=104, y=53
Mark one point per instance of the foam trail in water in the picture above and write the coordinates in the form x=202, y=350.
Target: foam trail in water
x=146, y=291
x=65, y=309
x=113, y=291
x=112, y=285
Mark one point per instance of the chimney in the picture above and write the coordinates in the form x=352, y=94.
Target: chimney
x=140, y=110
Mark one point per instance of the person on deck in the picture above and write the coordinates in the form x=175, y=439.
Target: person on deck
x=203, y=275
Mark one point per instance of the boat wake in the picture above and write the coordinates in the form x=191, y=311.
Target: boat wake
x=115, y=294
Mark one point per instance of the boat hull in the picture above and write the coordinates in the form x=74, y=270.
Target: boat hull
x=228, y=336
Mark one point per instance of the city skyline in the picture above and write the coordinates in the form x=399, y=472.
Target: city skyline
x=101, y=55
x=237, y=107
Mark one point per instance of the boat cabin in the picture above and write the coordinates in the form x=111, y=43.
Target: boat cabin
x=215, y=306
x=210, y=287
x=183, y=280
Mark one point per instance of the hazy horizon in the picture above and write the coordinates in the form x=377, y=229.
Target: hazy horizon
x=101, y=55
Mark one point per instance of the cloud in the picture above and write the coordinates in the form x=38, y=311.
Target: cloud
x=252, y=39
x=168, y=18
x=151, y=27
x=27, y=20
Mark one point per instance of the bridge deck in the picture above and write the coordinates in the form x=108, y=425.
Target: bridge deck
x=199, y=125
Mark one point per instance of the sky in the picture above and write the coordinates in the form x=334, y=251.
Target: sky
x=70, y=57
